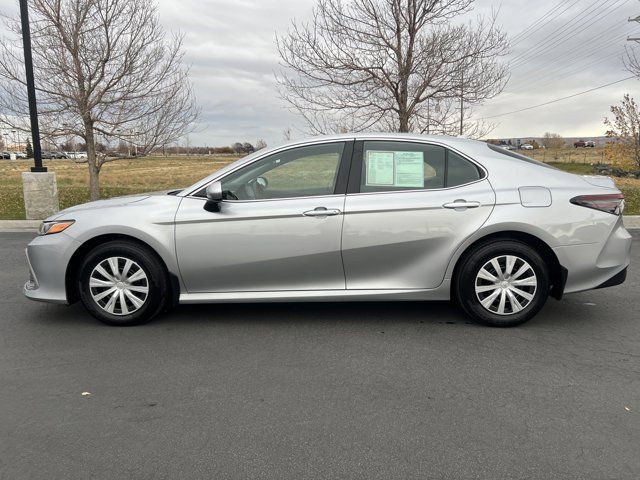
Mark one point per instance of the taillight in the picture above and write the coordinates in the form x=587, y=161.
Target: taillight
x=610, y=202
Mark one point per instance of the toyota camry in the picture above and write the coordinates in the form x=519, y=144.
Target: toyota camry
x=370, y=217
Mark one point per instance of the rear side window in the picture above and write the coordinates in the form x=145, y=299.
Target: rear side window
x=400, y=166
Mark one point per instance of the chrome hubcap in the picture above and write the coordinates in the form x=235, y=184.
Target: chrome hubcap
x=506, y=285
x=119, y=285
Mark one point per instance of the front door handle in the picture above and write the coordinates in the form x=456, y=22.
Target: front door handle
x=321, y=212
x=461, y=204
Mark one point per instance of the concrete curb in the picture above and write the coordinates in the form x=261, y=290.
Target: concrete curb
x=19, y=225
x=630, y=222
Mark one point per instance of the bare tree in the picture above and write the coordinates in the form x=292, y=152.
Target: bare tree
x=552, y=140
x=286, y=134
x=260, y=144
x=625, y=126
x=105, y=72
x=631, y=60
x=389, y=64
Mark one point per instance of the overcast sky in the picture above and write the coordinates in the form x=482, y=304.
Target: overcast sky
x=229, y=45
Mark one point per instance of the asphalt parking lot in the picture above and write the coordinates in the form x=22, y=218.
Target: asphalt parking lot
x=293, y=391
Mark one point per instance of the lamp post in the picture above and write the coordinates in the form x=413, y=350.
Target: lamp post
x=31, y=88
x=39, y=186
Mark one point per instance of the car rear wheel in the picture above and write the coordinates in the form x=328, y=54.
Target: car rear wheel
x=122, y=283
x=502, y=283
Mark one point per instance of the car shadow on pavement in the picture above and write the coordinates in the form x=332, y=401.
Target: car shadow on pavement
x=576, y=310
x=411, y=312
x=273, y=313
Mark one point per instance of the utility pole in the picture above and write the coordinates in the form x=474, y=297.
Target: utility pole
x=637, y=20
x=428, y=114
x=461, y=102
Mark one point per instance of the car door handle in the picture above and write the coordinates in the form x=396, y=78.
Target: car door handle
x=321, y=212
x=461, y=204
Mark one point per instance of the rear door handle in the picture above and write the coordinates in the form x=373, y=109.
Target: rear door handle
x=461, y=204
x=321, y=212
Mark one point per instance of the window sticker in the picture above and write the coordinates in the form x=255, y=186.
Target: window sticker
x=409, y=168
x=380, y=168
x=397, y=169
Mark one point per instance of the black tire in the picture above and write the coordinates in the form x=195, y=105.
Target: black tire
x=156, y=282
x=464, y=286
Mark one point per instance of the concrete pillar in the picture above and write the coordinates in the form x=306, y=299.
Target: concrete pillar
x=40, y=194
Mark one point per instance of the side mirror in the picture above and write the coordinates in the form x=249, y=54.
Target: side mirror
x=214, y=197
x=214, y=192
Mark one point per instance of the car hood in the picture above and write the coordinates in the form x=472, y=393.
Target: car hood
x=99, y=204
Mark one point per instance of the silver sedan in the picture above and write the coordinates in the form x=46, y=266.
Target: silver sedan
x=351, y=217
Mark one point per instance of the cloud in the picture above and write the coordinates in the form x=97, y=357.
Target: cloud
x=577, y=47
x=230, y=48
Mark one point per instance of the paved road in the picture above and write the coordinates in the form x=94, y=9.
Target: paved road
x=394, y=390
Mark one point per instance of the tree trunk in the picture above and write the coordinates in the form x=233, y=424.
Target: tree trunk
x=92, y=162
x=403, y=118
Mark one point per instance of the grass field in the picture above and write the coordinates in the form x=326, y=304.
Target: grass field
x=122, y=177
x=126, y=177
x=568, y=155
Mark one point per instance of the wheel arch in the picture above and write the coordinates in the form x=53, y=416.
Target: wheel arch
x=72, y=271
x=557, y=273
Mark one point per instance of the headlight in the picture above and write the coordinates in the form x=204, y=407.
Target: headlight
x=49, y=228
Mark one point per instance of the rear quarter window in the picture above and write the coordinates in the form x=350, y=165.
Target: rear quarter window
x=460, y=170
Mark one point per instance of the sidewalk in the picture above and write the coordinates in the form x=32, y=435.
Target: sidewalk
x=630, y=221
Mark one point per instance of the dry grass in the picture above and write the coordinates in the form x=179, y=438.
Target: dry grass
x=568, y=155
x=163, y=173
x=121, y=177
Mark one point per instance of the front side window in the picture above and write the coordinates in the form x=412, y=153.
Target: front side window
x=298, y=172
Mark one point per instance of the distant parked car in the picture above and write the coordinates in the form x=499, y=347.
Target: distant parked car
x=580, y=144
x=526, y=146
x=59, y=155
x=507, y=147
x=590, y=143
x=21, y=155
x=5, y=155
x=46, y=155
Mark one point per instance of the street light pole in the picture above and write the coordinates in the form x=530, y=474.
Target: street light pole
x=31, y=88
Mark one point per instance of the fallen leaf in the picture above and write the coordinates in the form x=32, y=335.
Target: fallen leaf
x=84, y=394
x=627, y=408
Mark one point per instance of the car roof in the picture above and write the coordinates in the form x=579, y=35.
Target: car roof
x=385, y=135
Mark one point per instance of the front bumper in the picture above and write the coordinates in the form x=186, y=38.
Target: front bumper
x=47, y=258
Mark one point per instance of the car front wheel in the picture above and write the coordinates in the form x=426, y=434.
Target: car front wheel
x=502, y=283
x=122, y=283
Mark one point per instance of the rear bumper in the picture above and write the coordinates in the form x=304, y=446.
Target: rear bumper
x=595, y=265
x=617, y=279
